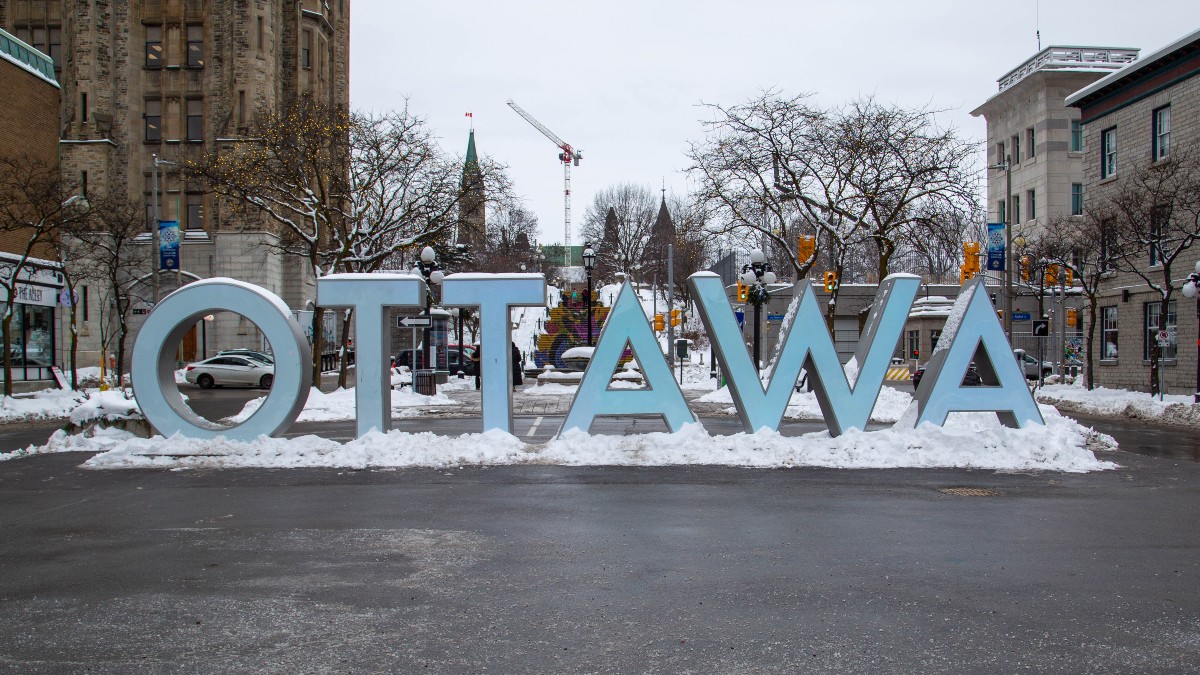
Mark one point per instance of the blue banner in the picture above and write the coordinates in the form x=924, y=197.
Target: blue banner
x=996, y=247
x=168, y=244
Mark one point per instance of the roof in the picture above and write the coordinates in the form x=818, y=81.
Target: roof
x=1139, y=65
x=1064, y=59
x=23, y=56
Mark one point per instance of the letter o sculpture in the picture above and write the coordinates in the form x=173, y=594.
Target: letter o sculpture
x=153, y=366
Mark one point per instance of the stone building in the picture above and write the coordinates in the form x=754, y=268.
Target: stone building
x=472, y=221
x=1135, y=117
x=174, y=79
x=29, y=89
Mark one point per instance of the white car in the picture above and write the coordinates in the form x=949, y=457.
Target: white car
x=227, y=370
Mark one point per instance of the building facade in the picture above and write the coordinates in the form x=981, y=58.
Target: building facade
x=153, y=84
x=29, y=88
x=1144, y=114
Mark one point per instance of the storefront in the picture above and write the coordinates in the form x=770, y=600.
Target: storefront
x=33, y=339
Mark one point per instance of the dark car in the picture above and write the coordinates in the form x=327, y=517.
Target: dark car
x=457, y=356
x=970, y=379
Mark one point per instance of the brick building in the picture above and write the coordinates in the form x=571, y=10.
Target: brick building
x=1135, y=117
x=176, y=79
x=29, y=131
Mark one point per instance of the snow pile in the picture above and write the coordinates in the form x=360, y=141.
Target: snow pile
x=40, y=405
x=108, y=406
x=1173, y=409
x=968, y=441
x=339, y=405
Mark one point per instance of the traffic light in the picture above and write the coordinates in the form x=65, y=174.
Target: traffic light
x=659, y=322
x=1051, y=276
x=743, y=292
x=831, y=281
x=1070, y=276
x=970, y=265
x=806, y=248
x=676, y=317
x=1072, y=317
x=1024, y=268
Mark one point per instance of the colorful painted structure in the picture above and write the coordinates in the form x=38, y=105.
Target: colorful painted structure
x=567, y=328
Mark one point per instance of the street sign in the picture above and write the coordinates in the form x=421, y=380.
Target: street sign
x=1163, y=338
x=1041, y=328
x=1021, y=316
x=741, y=318
x=414, y=322
x=774, y=318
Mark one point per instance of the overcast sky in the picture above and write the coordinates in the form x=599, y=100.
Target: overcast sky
x=622, y=79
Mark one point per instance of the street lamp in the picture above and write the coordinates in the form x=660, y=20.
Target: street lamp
x=1191, y=289
x=757, y=275
x=1006, y=167
x=428, y=267
x=589, y=262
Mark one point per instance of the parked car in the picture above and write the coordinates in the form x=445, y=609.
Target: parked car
x=970, y=379
x=261, y=357
x=458, y=357
x=230, y=370
x=1030, y=366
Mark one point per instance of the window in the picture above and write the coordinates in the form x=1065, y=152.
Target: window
x=1076, y=136
x=1077, y=199
x=1159, y=216
x=260, y=34
x=934, y=335
x=1108, y=152
x=195, y=46
x=241, y=109
x=1108, y=332
x=154, y=46
x=1016, y=208
x=306, y=50
x=1016, y=149
x=1161, y=137
x=1001, y=211
x=914, y=344
x=84, y=304
x=55, y=49
x=1031, y=204
x=195, y=211
x=1030, y=140
x=83, y=188
x=153, y=119
x=83, y=106
x=1152, y=314
x=195, y=119
x=1001, y=157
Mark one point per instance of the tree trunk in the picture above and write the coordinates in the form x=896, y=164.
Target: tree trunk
x=1091, y=340
x=121, y=354
x=318, y=315
x=74, y=340
x=344, y=368
x=6, y=333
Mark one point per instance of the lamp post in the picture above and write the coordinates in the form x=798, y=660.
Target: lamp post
x=428, y=267
x=156, y=260
x=1006, y=167
x=757, y=275
x=1191, y=289
x=589, y=262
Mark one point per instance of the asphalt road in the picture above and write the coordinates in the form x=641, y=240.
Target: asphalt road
x=542, y=568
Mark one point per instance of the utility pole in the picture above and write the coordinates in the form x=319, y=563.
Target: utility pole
x=156, y=258
x=670, y=303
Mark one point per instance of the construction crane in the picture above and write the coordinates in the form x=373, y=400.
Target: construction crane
x=568, y=156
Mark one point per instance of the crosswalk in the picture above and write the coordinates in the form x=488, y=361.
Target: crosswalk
x=898, y=374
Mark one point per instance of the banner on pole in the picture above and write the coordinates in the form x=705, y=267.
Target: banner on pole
x=996, y=247
x=168, y=244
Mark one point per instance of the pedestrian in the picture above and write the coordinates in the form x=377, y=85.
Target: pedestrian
x=476, y=356
x=517, y=367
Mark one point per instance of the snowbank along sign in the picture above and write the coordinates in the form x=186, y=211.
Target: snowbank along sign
x=972, y=334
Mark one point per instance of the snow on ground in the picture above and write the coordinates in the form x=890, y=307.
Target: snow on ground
x=803, y=405
x=44, y=404
x=1172, y=409
x=339, y=405
x=968, y=441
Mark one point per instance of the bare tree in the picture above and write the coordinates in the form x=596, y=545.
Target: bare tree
x=1154, y=211
x=34, y=203
x=510, y=240
x=621, y=246
x=105, y=250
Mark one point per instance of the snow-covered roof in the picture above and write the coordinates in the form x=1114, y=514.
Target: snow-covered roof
x=931, y=306
x=26, y=57
x=1132, y=68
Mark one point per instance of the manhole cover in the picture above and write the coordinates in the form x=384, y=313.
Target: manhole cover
x=970, y=492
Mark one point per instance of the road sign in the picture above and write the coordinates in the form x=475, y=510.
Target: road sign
x=414, y=322
x=1041, y=328
x=774, y=318
x=1021, y=316
x=1163, y=338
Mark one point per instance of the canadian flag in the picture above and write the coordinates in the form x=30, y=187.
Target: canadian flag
x=471, y=115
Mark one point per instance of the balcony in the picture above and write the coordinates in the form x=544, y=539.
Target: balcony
x=1071, y=58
